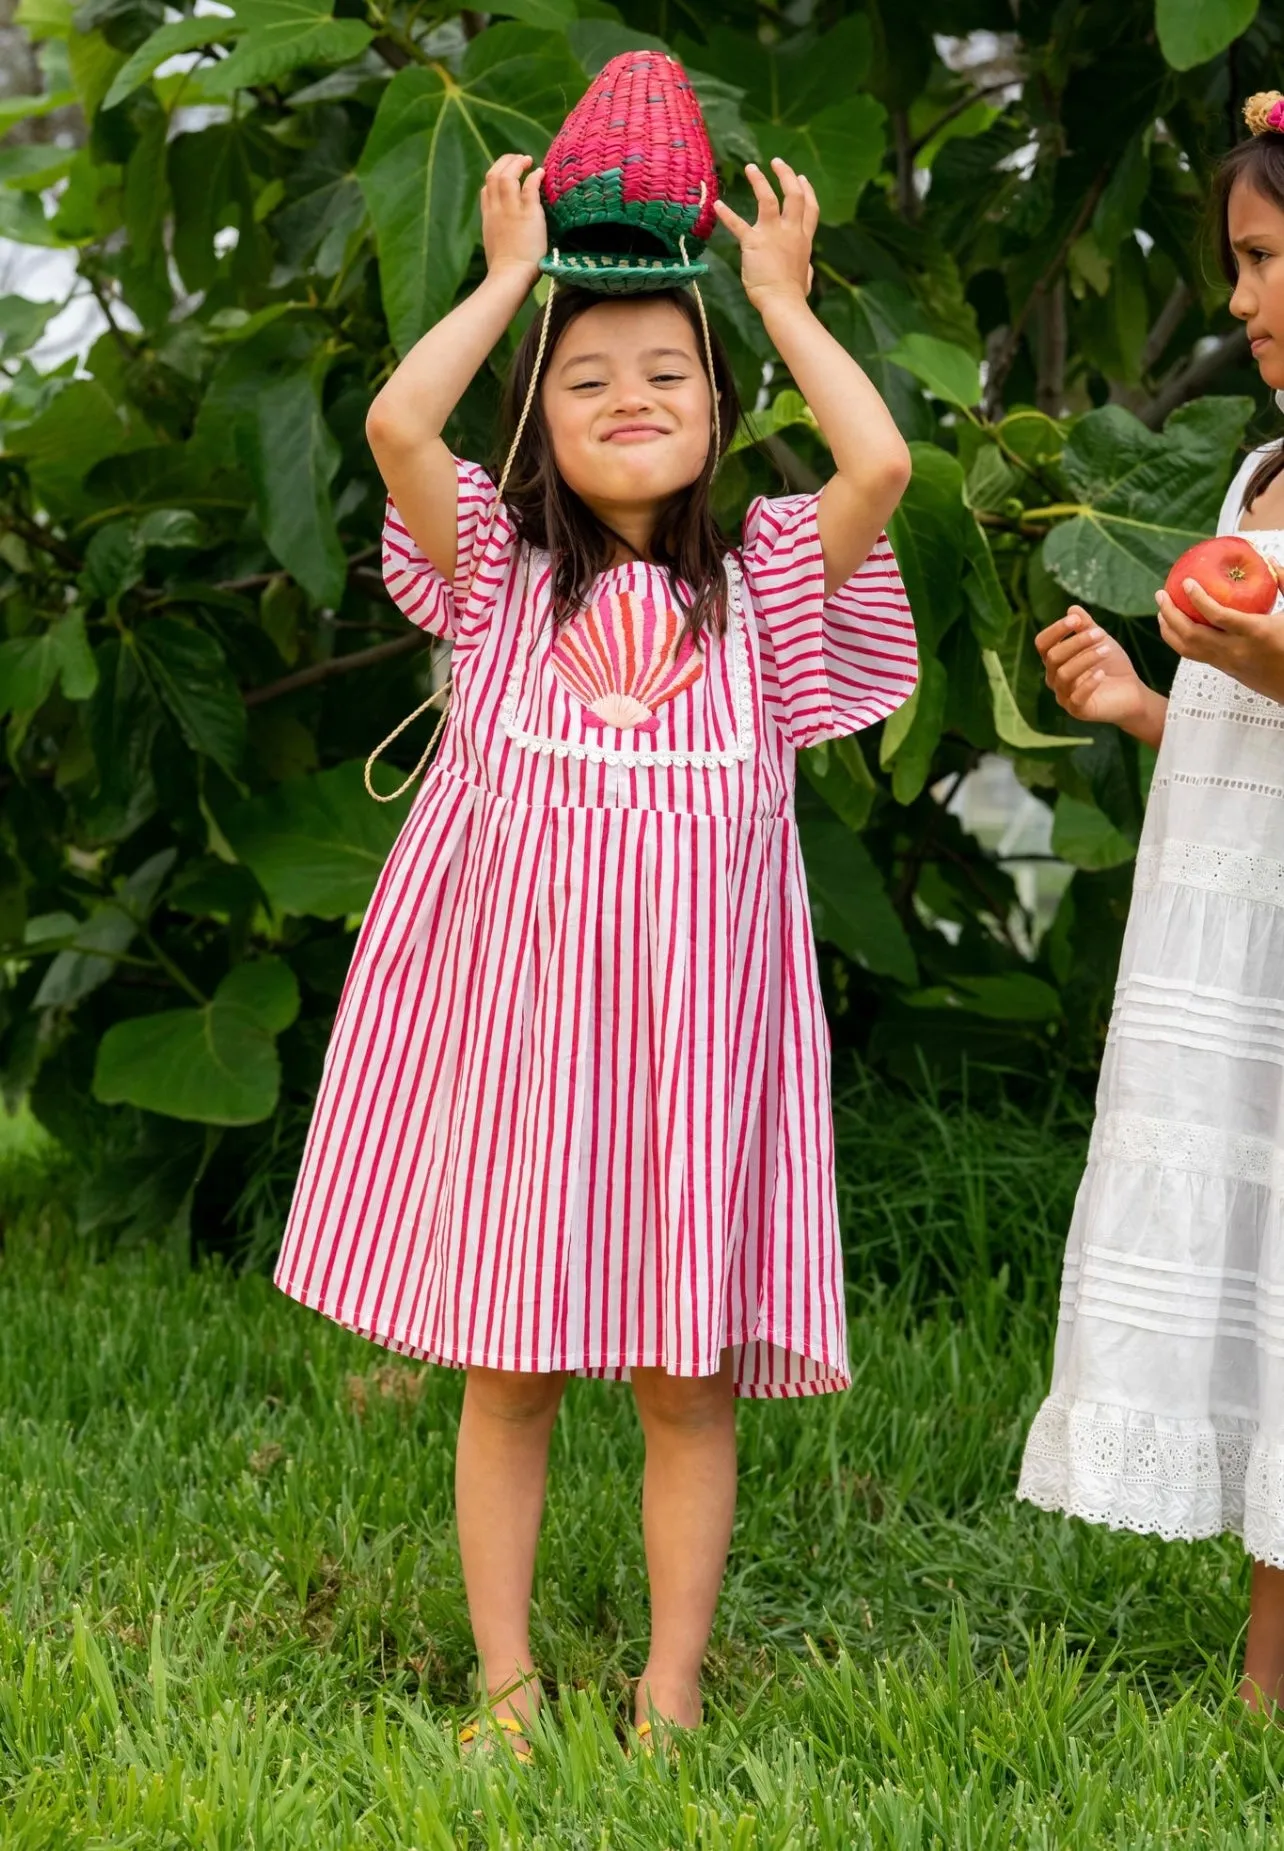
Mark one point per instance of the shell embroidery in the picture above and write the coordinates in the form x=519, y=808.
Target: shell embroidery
x=624, y=657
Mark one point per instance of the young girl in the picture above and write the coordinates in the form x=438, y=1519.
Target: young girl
x=1167, y=1407
x=575, y=1113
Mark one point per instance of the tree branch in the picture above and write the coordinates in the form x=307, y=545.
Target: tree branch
x=953, y=112
x=34, y=535
x=1007, y=353
x=1194, y=377
x=337, y=665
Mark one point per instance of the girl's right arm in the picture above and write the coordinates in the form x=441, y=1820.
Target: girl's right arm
x=1093, y=678
x=405, y=422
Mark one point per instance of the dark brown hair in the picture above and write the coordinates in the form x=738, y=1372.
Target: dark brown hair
x=688, y=542
x=1259, y=163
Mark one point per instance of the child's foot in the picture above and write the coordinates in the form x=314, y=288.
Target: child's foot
x=1260, y=1702
x=503, y=1719
x=663, y=1710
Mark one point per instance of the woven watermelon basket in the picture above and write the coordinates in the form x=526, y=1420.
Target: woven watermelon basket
x=630, y=182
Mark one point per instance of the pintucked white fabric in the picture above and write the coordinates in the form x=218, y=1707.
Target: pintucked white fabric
x=575, y=1112
x=1166, y=1413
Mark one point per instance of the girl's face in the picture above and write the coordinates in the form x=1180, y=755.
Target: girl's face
x=1257, y=239
x=627, y=404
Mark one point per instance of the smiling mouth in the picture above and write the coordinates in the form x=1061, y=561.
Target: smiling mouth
x=633, y=433
x=1258, y=340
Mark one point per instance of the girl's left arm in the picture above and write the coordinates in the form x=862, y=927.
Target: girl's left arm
x=871, y=460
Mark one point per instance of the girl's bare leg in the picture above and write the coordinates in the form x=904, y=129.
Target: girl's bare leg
x=688, y=1501
x=500, y=1468
x=1263, y=1684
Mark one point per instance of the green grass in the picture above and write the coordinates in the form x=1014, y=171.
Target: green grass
x=231, y=1616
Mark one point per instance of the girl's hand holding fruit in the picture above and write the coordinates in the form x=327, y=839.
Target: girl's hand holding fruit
x=1244, y=638
x=1093, y=677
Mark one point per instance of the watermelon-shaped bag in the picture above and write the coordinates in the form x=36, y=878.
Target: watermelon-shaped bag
x=629, y=182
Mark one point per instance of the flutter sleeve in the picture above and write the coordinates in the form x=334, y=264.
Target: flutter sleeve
x=486, y=542
x=830, y=665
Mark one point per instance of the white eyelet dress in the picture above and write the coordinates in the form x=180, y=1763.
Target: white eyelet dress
x=575, y=1113
x=1166, y=1413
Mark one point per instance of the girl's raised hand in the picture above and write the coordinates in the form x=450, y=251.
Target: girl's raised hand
x=775, y=251
x=514, y=235
x=1090, y=673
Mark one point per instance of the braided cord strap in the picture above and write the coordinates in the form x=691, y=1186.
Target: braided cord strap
x=443, y=694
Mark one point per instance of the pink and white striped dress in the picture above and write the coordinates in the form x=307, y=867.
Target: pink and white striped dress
x=575, y=1112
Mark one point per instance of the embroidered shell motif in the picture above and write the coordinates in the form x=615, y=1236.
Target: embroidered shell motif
x=625, y=657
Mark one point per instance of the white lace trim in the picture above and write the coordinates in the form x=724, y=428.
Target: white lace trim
x=663, y=759
x=1182, y=1480
x=1231, y=871
x=1201, y=692
x=1131, y=1137
x=1204, y=780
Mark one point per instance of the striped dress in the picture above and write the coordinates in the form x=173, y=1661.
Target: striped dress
x=575, y=1113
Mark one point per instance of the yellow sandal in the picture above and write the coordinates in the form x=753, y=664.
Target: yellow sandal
x=478, y=1734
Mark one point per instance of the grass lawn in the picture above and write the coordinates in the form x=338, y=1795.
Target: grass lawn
x=231, y=1616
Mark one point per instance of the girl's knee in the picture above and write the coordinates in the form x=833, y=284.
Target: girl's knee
x=682, y=1402
x=513, y=1394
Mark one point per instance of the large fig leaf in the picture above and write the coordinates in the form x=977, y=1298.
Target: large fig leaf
x=215, y=1066
x=294, y=503
x=1193, y=31
x=849, y=902
x=317, y=845
x=1143, y=498
x=189, y=672
x=427, y=154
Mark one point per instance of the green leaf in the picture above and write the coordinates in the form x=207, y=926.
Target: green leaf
x=29, y=666
x=548, y=15
x=110, y=928
x=22, y=323
x=930, y=535
x=214, y=1066
x=190, y=673
x=870, y=319
x=75, y=658
x=77, y=429
x=1144, y=497
x=123, y=719
x=16, y=109
x=294, y=504
x=1086, y=838
x=279, y=36
x=949, y=372
x=1193, y=31
x=166, y=42
x=22, y=218
x=317, y=845
x=837, y=769
x=787, y=409
x=427, y=154
x=849, y=903
x=44, y=19
x=803, y=103
x=988, y=607
x=1009, y=722
x=909, y=745
x=113, y=561
x=28, y=670
x=1012, y=998
x=94, y=63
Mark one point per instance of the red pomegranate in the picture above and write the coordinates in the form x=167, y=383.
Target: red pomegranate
x=1229, y=570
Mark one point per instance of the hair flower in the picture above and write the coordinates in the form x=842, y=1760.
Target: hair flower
x=1264, y=113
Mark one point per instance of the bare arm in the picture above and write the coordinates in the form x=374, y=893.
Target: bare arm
x=405, y=422
x=871, y=460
